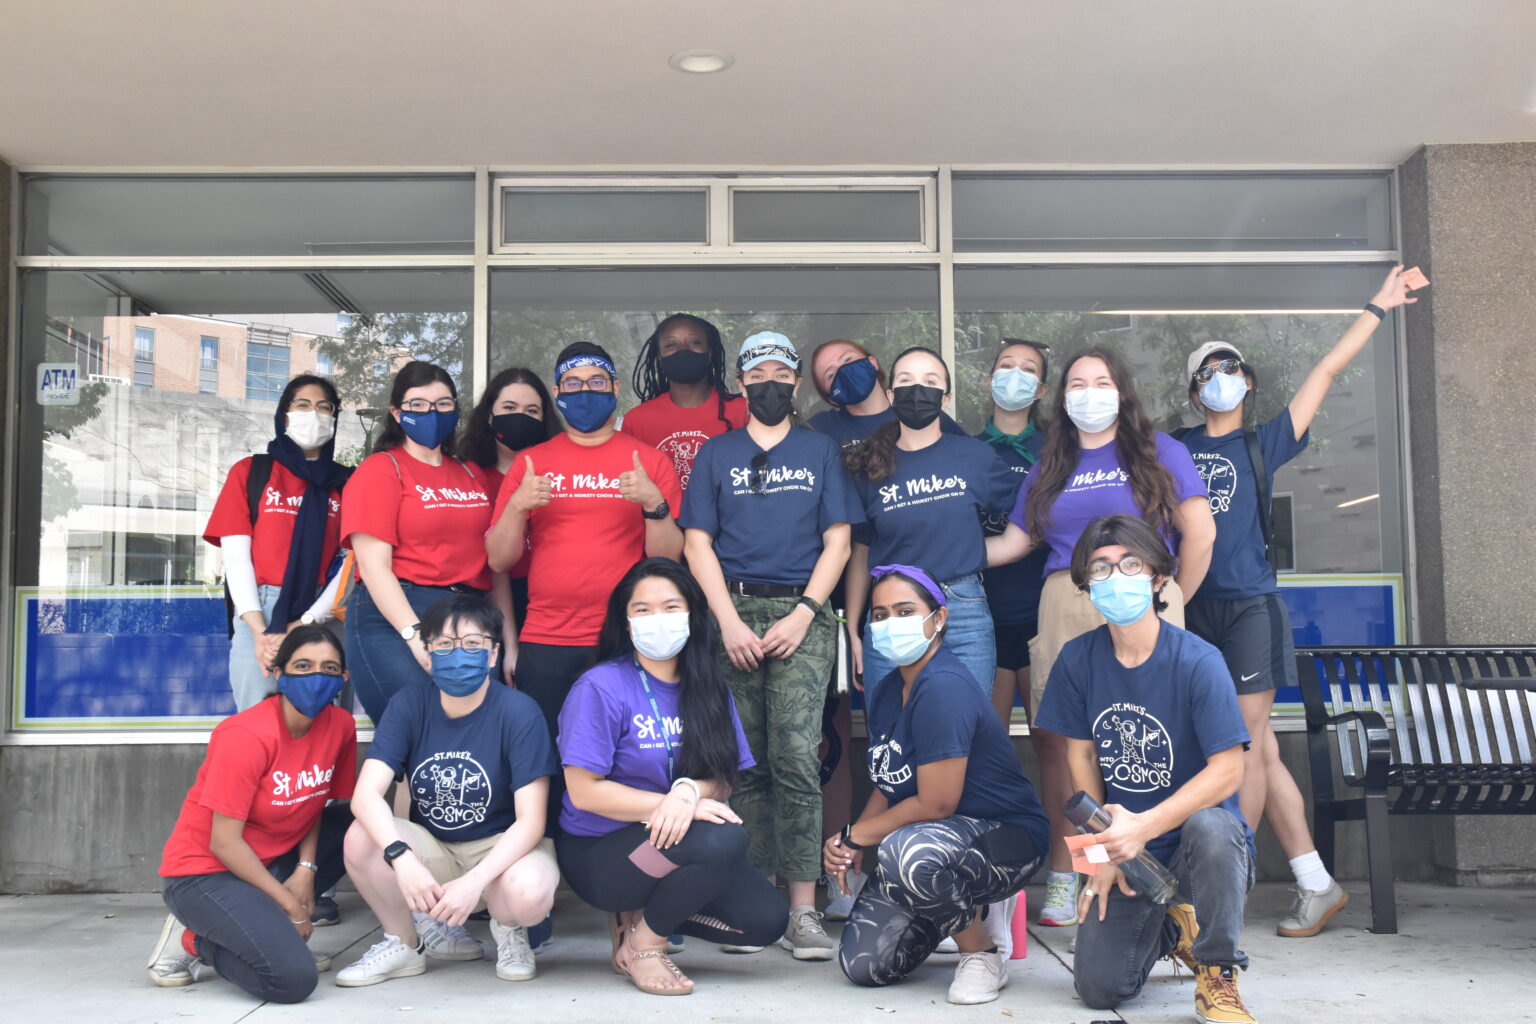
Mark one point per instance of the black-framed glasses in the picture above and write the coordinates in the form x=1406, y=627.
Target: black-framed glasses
x=1100, y=569
x=1205, y=373
x=759, y=481
x=474, y=643
x=422, y=405
x=572, y=385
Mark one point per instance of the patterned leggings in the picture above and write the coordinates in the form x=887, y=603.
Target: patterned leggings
x=928, y=880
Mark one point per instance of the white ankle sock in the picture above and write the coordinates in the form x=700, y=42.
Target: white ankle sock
x=1310, y=873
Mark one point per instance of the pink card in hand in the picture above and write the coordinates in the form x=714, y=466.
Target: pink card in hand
x=1414, y=278
x=1087, y=854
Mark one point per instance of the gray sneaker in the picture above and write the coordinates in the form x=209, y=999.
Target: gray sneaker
x=514, y=957
x=979, y=977
x=1311, y=911
x=840, y=906
x=447, y=941
x=806, y=937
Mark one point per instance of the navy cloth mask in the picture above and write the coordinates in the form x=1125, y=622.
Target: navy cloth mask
x=459, y=673
x=310, y=692
x=586, y=411
x=517, y=430
x=429, y=429
x=853, y=382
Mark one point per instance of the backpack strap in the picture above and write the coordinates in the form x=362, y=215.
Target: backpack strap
x=256, y=483
x=1179, y=433
x=1261, y=487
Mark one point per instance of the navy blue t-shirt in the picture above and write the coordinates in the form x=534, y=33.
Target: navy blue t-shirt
x=771, y=536
x=929, y=511
x=1013, y=590
x=1154, y=725
x=1238, y=566
x=945, y=717
x=848, y=430
x=463, y=771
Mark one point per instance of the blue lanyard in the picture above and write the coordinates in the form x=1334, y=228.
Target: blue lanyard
x=661, y=724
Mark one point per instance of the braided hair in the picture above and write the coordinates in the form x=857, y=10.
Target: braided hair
x=649, y=379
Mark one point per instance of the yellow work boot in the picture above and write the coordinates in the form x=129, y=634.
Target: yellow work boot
x=1216, y=997
x=1183, y=951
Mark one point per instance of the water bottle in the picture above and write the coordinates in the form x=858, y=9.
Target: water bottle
x=1145, y=873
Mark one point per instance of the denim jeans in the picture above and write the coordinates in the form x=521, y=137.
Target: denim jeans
x=249, y=686
x=378, y=660
x=1215, y=872
x=968, y=636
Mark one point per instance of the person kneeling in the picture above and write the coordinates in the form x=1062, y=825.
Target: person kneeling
x=477, y=758
x=958, y=826
x=651, y=744
x=1153, y=732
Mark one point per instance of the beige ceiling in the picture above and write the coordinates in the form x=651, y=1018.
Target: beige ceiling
x=856, y=82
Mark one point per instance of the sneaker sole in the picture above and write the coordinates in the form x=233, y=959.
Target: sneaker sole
x=403, y=972
x=1307, y=933
x=978, y=1002
x=1046, y=922
x=478, y=954
x=166, y=927
x=324, y=922
x=516, y=977
x=175, y=982
x=807, y=952
x=742, y=950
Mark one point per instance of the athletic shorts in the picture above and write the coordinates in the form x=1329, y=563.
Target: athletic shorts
x=1253, y=635
x=1013, y=644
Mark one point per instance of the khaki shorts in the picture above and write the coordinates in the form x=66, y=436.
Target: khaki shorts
x=1066, y=613
x=448, y=861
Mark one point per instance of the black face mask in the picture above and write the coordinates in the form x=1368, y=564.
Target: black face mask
x=769, y=401
x=686, y=366
x=917, y=405
x=517, y=430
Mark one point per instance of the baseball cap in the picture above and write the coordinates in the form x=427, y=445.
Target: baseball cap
x=764, y=346
x=1198, y=357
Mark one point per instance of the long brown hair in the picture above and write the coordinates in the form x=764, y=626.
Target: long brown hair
x=874, y=458
x=1151, y=484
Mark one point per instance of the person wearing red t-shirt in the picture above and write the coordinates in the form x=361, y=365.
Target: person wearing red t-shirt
x=416, y=516
x=591, y=503
x=680, y=381
x=255, y=840
x=276, y=560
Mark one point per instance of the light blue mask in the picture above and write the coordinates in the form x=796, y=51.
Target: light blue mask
x=1014, y=389
x=1223, y=392
x=901, y=641
x=1121, y=599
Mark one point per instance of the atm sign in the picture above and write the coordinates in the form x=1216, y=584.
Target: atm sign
x=58, y=384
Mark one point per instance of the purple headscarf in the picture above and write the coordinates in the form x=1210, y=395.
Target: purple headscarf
x=918, y=576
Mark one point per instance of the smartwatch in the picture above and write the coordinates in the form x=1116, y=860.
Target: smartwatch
x=848, y=838
x=409, y=632
x=662, y=511
x=393, y=851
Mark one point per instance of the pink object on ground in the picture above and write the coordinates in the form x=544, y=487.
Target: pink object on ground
x=1020, y=926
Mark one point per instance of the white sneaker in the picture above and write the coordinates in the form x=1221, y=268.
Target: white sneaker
x=169, y=965
x=1000, y=925
x=1060, y=909
x=946, y=945
x=447, y=941
x=727, y=947
x=978, y=979
x=389, y=958
x=514, y=958
x=840, y=906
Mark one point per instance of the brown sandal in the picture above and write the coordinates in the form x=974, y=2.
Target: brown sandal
x=659, y=954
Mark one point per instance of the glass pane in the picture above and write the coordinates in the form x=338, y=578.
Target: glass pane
x=1172, y=212
x=845, y=215
x=120, y=600
x=537, y=313
x=239, y=216
x=532, y=216
x=1282, y=319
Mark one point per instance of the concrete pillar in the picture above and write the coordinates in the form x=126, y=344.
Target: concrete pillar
x=1468, y=219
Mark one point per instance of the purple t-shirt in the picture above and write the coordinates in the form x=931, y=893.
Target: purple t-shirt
x=607, y=727
x=1099, y=487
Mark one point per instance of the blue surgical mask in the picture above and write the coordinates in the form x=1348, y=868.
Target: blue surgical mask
x=1093, y=409
x=459, y=673
x=1223, y=392
x=1014, y=389
x=586, y=411
x=659, y=636
x=853, y=382
x=429, y=429
x=901, y=641
x=310, y=692
x=1122, y=599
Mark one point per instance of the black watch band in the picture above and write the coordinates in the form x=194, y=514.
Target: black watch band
x=1371, y=307
x=848, y=838
x=662, y=511
x=811, y=603
x=393, y=851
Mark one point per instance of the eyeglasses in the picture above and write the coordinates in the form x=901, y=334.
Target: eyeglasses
x=1100, y=569
x=474, y=643
x=1205, y=373
x=759, y=473
x=305, y=405
x=422, y=405
x=571, y=385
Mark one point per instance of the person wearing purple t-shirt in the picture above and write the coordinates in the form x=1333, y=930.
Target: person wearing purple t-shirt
x=652, y=745
x=1111, y=461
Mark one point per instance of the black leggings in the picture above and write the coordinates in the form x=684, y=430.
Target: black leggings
x=704, y=886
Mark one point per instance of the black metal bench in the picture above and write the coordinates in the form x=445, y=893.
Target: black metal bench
x=1418, y=730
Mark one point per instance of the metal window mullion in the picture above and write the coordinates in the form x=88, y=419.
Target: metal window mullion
x=107, y=263
x=480, y=325
x=1179, y=258
x=947, y=325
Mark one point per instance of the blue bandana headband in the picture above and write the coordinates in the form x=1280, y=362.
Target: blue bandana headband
x=570, y=364
x=918, y=576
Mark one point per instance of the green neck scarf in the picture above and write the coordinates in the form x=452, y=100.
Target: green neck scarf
x=997, y=438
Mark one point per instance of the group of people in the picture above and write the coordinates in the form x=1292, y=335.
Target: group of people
x=545, y=593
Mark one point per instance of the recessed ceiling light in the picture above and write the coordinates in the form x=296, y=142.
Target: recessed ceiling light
x=701, y=62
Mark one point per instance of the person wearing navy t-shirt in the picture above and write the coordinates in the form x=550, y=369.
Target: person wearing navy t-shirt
x=1238, y=608
x=1154, y=734
x=924, y=493
x=953, y=826
x=475, y=760
x=766, y=525
x=849, y=379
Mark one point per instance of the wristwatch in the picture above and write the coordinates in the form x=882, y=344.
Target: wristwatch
x=409, y=632
x=393, y=851
x=848, y=838
x=661, y=511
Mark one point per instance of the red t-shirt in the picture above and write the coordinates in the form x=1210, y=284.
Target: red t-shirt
x=493, y=479
x=256, y=772
x=275, y=517
x=678, y=433
x=583, y=542
x=435, y=517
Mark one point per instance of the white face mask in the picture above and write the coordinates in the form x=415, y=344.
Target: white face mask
x=310, y=429
x=659, y=636
x=1093, y=409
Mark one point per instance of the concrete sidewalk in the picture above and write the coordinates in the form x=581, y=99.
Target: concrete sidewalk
x=1462, y=954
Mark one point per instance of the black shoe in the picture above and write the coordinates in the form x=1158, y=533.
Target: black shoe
x=326, y=912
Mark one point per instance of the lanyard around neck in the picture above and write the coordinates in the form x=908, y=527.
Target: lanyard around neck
x=661, y=725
